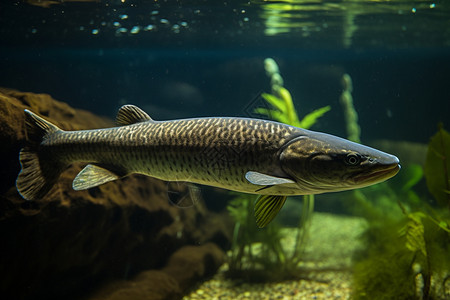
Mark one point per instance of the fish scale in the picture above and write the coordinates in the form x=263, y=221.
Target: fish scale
x=240, y=154
x=192, y=149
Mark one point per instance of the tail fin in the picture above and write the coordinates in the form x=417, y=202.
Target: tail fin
x=39, y=172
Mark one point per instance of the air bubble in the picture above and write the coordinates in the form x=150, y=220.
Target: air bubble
x=176, y=28
x=135, y=29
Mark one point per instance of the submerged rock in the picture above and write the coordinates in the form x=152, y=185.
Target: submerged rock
x=186, y=266
x=71, y=242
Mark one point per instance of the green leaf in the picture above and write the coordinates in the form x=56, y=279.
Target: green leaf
x=275, y=102
x=312, y=117
x=284, y=110
x=290, y=109
x=414, y=231
x=437, y=167
x=410, y=176
x=443, y=226
x=272, y=114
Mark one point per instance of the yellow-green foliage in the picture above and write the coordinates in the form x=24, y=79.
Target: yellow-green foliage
x=284, y=110
x=402, y=259
x=265, y=262
x=350, y=114
x=437, y=167
x=413, y=232
x=407, y=253
x=380, y=271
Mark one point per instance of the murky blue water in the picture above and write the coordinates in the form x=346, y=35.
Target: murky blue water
x=199, y=58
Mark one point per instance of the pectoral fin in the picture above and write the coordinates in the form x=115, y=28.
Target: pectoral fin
x=264, y=179
x=92, y=176
x=267, y=207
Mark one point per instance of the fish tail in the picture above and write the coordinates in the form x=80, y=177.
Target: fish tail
x=39, y=171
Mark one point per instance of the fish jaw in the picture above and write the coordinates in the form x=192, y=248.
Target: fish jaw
x=384, y=171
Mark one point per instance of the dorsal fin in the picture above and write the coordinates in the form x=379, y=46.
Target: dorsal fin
x=131, y=114
x=38, y=127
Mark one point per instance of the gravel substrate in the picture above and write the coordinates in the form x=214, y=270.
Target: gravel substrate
x=327, y=258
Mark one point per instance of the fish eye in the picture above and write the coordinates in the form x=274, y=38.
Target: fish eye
x=352, y=159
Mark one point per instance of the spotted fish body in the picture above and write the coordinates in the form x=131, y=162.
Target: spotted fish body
x=212, y=151
x=240, y=154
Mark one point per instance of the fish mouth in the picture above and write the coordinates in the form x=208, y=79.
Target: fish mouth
x=378, y=175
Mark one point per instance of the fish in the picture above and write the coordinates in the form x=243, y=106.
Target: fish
x=267, y=158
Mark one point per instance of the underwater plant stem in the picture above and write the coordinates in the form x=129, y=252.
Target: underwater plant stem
x=277, y=248
x=235, y=245
x=303, y=226
x=427, y=282
x=402, y=207
x=247, y=240
x=351, y=116
x=427, y=275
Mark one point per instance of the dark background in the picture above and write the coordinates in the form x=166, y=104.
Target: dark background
x=213, y=64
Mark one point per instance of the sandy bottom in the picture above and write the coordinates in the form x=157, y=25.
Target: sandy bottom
x=331, y=243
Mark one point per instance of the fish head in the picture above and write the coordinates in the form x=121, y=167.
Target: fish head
x=322, y=163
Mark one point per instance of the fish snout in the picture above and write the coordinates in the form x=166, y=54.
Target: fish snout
x=391, y=165
x=386, y=167
x=388, y=159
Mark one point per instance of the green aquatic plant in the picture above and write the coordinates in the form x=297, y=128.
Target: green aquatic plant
x=437, y=167
x=407, y=250
x=283, y=109
x=259, y=254
x=404, y=259
x=407, y=240
x=350, y=114
x=255, y=253
x=285, y=112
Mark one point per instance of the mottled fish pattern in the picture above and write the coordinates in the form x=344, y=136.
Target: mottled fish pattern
x=212, y=151
x=240, y=154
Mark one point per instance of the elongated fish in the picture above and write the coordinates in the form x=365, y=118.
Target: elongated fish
x=246, y=155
